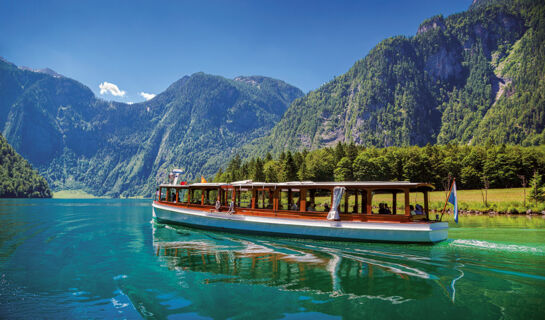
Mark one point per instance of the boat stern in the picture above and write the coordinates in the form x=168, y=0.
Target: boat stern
x=438, y=231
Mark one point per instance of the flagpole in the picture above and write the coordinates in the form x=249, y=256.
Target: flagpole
x=446, y=202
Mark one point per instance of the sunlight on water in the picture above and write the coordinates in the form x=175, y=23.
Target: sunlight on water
x=106, y=259
x=487, y=245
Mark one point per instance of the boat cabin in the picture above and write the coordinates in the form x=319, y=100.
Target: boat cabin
x=397, y=201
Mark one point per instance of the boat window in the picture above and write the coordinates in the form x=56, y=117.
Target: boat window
x=351, y=202
x=163, y=194
x=289, y=199
x=318, y=200
x=172, y=196
x=244, y=198
x=264, y=199
x=211, y=196
x=389, y=202
x=182, y=195
x=228, y=196
x=295, y=202
x=196, y=195
x=417, y=205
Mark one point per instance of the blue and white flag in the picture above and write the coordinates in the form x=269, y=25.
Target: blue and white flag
x=453, y=198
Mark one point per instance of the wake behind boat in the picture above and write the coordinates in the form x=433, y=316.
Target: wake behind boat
x=322, y=210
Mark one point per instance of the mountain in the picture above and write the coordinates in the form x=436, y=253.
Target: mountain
x=17, y=178
x=78, y=141
x=469, y=78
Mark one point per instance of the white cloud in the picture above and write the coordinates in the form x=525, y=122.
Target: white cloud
x=147, y=96
x=107, y=87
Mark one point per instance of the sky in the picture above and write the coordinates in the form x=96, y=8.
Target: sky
x=131, y=50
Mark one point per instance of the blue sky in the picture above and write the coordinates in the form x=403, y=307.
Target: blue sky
x=144, y=46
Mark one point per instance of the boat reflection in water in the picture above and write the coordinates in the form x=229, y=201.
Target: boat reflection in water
x=365, y=271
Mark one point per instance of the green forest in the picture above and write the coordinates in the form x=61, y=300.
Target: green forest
x=468, y=78
x=80, y=142
x=474, y=167
x=17, y=178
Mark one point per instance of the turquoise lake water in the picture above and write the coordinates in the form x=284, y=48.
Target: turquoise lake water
x=106, y=259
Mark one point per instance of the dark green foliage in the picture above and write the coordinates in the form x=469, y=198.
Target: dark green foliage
x=17, y=178
x=344, y=171
x=290, y=168
x=467, y=78
x=537, y=188
x=258, y=170
x=78, y=141
x=502, y=166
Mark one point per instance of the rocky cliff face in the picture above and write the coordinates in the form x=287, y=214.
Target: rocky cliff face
x=435, y=87
x=436, y=22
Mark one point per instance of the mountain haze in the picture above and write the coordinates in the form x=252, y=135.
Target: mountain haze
x=468, y=78
x=78, y=141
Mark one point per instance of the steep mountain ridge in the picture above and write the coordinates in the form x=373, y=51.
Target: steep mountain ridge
x=467, y=78
x=108, y=148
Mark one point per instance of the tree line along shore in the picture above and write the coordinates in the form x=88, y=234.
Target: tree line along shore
x=490, y=178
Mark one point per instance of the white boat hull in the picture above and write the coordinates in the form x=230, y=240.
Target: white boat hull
x=304, y=228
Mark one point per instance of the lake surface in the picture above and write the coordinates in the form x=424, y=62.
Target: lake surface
x=106, y=259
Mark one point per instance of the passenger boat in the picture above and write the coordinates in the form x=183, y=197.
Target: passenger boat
x=324, y=210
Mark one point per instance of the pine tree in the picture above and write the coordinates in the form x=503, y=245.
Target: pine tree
x=339, y=152
x=537, y=190
x=351, y=151
x=290, y=169
x=258, y=174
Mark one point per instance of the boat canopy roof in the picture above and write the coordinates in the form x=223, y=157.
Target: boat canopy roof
x=310, y=184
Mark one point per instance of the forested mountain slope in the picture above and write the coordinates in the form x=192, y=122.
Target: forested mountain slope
x=107, y=148
x=468, y=78
x=17, y=178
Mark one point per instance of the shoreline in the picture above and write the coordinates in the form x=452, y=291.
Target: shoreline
x=490, y=213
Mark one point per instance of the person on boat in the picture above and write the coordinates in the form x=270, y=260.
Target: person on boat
x=381, y=209
x=326, y=207
x=294, y=207
x=218, y=204
x=231, y=207
x=412, y=210
x=419, y=210
x=387, y=209
x=310, y=206
x=355, y=208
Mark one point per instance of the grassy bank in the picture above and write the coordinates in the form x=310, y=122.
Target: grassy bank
x=474, y=201
x=495, y=200
x=73, y=194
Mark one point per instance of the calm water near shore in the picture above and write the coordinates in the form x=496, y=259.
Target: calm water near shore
x=101, y=258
